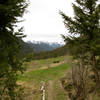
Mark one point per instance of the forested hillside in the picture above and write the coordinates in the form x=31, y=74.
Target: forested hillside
x=37, y=47
x=52, y=54
x=25, y=48
x=40, y=46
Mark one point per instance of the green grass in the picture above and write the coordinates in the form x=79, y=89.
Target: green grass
x=60, y=93
x=43, y=62
x=34, y=77
x=44, y=74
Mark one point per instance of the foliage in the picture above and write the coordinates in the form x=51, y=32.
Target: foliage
x=84, y=41
x=10, y=64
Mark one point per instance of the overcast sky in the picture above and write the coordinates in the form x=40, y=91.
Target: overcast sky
x=43, y=21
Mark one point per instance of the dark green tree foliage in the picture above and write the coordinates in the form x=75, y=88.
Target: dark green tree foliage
x=84, y=41
x=51, y=54
x=10, y=64
x=84, y=28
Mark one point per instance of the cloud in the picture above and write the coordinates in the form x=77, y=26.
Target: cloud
x=44, y=21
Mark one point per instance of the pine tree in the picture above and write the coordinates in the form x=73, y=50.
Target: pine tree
x=10, y=64
x=84, y=40
x=85, y=28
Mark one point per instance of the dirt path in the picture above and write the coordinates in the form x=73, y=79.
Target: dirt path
x=50, y=90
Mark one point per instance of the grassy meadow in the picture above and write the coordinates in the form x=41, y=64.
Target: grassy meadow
x=48, y=72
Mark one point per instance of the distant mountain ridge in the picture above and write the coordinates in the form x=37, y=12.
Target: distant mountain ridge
x=40, y=46
x=61, y=51
x=37, y=47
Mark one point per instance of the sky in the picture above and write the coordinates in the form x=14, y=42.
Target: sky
x=43, y=22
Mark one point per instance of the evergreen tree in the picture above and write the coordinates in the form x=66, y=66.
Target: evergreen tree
x=10, y=64
x=84, y=40
x=85, y=29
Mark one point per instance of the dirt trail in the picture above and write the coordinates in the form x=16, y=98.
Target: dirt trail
x=50, y=90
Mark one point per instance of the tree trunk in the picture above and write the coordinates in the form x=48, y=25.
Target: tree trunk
x=97, y=78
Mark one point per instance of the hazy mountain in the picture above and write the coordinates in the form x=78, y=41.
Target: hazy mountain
x=61, y=51
x=25, y=48
x=37, y=47
x=40, y=46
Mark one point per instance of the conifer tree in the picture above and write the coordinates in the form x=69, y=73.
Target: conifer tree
x=10, y=64
x=85, y=30
x=84, y=40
